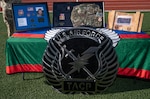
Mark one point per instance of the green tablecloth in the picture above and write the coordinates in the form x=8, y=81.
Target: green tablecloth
x=25, y=55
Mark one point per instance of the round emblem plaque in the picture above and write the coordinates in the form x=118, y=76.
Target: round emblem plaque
x=80, y=60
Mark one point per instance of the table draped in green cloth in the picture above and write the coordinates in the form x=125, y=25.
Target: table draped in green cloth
x=134, y=57
x=25, y=55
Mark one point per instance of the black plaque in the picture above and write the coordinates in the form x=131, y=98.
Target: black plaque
x=80, y=60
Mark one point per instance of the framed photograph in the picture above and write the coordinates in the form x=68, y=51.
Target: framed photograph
x=125, y=21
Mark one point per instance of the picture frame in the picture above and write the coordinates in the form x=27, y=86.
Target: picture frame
x=125, y=21
x=76, y=14
x=30, y=16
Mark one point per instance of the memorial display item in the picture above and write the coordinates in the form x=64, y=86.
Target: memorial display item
x=75, y=14
x=31, y=16
x=80, y=60
x=125, y=21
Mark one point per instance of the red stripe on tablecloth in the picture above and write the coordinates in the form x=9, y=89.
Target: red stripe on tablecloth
x=140, y=73
x=24, y=68
x=27, y=35
x=134, y=35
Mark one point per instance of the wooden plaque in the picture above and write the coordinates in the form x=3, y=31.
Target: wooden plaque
x=125, y=21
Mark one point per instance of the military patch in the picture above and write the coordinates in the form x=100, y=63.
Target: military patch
x=80, y=60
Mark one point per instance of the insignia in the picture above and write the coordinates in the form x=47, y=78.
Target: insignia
x=80, y=60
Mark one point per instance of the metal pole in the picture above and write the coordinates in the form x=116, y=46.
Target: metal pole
x=23, y=76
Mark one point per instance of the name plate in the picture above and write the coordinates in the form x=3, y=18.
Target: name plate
x=81, y=86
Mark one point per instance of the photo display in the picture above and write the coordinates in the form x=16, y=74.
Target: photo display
x=30, y=16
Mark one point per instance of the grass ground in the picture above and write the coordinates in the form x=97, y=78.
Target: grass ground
x=34, y=87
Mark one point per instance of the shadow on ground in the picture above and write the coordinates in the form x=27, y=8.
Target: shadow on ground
x=123, y=84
